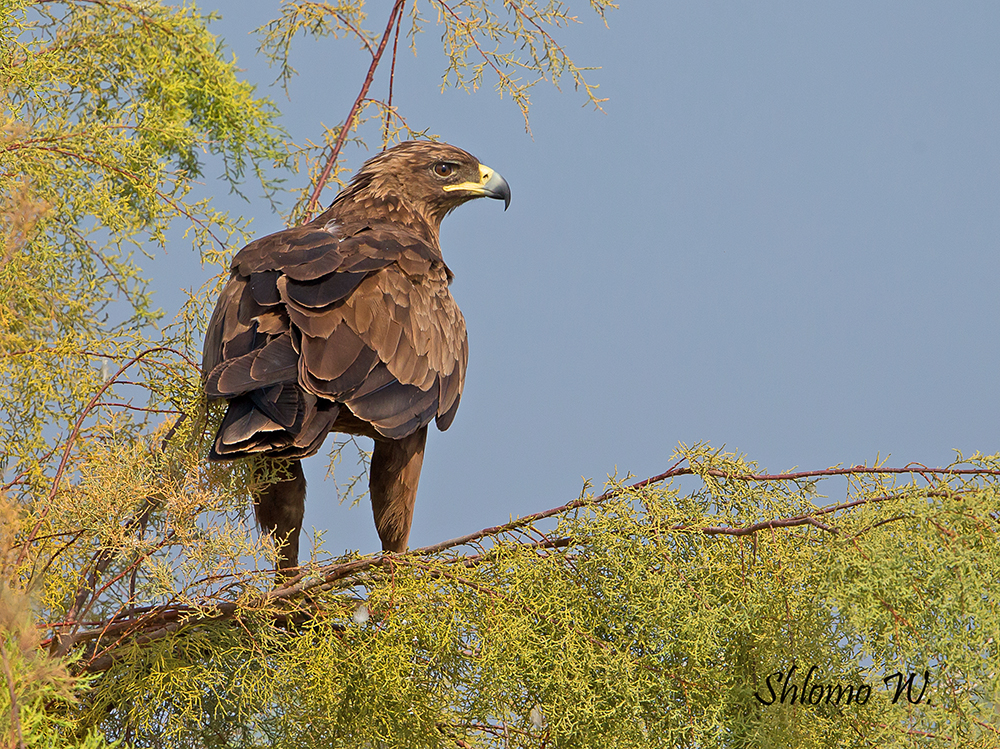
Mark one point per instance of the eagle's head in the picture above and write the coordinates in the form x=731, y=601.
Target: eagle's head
x=419, y=181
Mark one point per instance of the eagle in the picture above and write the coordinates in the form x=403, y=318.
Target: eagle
x=347, y=324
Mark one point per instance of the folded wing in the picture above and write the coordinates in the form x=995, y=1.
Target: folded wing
x=317, y=330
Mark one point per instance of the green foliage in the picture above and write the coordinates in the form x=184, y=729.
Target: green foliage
x=108, y=106
x=38, y=690
x=648, y=616
x=521, y=43
x=136, y=603
x=514, y=46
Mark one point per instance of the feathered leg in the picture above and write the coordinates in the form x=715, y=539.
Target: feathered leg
x=279, y=510
x=395, y=473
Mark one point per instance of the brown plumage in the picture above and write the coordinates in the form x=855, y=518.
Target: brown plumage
x=346, y=324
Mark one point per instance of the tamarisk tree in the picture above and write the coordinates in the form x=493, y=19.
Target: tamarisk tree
x=711, y=605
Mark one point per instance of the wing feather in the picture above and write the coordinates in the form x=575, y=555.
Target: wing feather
x=320, y=292
x=280, y=403
x=264, y=289
x=315, y=318
x=275, y=362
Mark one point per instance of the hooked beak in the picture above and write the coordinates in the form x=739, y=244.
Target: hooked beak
x=490, y=185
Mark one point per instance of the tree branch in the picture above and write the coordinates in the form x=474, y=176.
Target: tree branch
x=392, y=80
x=162, y=620
x=763, y=525
x=313, y=202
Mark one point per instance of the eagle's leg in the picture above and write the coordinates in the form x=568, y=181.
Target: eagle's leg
x=279, y=509
x=395, y=473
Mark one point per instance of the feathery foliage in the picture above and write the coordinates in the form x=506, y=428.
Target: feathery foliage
x=648, y=616
x=136, y=603
x=108, y=107
x=515, y=47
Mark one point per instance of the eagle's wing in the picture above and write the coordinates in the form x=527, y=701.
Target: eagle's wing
x=311, y=322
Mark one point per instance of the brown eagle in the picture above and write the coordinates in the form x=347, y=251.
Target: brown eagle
x=346, y=324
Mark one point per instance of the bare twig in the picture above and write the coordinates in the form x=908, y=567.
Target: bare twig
x=392, y=80
x=313, y=202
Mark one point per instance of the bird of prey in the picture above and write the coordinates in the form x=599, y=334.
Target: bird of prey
x=347, y=324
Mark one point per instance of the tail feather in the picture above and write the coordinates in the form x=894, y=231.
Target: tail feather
x=286, y=424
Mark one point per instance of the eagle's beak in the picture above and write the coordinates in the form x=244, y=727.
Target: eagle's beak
x=490, y=185
x=494, y=186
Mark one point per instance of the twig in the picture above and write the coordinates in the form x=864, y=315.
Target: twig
x=392, y=80
x=884, y=521
x=76, y=432
x=357, y=32
x=529, y=519
x=473, y=559
x=313, y=201
x=130, y=407
x=488, y=59
x=763, y=525
x=716, y=473
x=810, y=519
x=101, y=562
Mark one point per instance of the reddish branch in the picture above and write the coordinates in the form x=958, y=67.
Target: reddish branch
x=392, y=80
x=357, y=32
x=985, y=725
x=924, y=734
x=75, y=433
x=529, y=519
x=746, y=530
x=93, y=402
x=156, y=622
x=676, y=470
x=88, y=593
x=331, y=160
x=911, y=468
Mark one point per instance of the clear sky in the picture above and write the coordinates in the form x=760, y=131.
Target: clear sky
x=781, y=236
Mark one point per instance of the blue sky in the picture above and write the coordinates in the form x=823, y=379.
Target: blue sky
x=780, y=236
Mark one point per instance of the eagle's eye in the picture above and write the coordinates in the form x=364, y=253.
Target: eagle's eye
x=444, y=169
